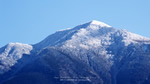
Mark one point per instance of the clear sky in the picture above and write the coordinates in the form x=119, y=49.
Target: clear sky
x=30, y=21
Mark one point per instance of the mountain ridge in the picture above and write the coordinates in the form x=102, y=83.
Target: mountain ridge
x=105, y=53
x=95, y=26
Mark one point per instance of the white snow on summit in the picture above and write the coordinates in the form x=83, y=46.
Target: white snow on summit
x=94, y=22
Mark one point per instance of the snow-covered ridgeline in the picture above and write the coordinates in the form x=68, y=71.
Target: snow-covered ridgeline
x=11, y=53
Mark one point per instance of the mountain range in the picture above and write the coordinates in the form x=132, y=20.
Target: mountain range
x=90, y=53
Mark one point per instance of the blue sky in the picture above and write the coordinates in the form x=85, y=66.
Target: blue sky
x=30, y=21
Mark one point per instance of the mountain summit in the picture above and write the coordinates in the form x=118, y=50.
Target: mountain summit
x=90, y=53
x=92, y=31
x=94, y=22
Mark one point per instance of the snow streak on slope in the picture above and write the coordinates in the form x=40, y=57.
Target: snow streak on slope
x=11, y=53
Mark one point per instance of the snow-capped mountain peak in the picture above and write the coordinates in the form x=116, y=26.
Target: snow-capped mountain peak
x=95, y=22
x=12, y=52
x=109, y=55
x=91, y=34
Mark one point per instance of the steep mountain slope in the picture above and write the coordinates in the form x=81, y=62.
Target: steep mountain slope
x=55, y=67
x=91, y=53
